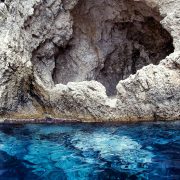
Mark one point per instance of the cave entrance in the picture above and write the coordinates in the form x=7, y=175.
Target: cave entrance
x=111, y=40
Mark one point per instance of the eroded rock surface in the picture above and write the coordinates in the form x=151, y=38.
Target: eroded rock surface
x=105, y=60
x=110, y=41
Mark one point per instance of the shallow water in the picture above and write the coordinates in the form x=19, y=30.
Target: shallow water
x=90, y=151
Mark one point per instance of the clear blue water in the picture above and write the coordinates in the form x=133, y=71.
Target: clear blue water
x=90, y=151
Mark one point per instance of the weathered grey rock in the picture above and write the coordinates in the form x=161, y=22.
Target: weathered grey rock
x=88, y=60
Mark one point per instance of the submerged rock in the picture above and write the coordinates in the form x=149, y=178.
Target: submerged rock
x=90, y=60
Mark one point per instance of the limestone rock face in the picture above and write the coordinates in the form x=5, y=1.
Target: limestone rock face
x=89, y=60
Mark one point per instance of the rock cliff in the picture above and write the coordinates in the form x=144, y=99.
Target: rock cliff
x=89, y=60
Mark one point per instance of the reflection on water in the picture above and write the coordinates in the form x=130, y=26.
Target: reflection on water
x=90, y=151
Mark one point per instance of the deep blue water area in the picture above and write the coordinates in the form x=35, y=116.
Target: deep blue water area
x=90, y=151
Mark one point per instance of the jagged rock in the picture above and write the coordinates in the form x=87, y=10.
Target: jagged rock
x=88, y=60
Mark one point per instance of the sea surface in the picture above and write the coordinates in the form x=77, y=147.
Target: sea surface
x=80, y=151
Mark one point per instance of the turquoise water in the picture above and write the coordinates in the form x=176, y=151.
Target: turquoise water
x=90, y=151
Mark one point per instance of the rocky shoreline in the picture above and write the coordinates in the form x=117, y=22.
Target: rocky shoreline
x=92, y=61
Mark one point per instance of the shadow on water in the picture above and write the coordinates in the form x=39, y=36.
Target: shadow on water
x=12, y=168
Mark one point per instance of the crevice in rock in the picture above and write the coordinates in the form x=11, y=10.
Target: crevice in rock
x=111, y=40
